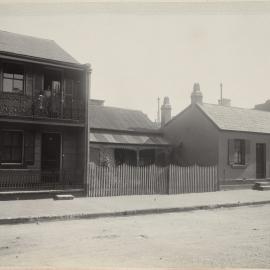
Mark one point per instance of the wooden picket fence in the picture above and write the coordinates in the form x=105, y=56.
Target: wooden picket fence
x=130, y=180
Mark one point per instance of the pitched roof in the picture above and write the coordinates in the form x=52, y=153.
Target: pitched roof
x=34, y=47
x=237, y=119
x=111, y=118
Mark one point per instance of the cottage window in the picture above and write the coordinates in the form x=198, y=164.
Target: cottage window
x=238, y=151
x=13, y=78
x=11, y=147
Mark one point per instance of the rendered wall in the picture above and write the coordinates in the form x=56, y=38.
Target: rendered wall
x=194, y=136
x=228, y=172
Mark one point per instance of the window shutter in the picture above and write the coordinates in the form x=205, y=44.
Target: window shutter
x=68, y=98
x=231, y=151
x=29, y=148
x=247, y=151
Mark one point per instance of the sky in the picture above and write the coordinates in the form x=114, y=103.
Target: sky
x=145, y=50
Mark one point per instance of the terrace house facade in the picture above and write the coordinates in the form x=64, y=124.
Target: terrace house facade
x=43, y=115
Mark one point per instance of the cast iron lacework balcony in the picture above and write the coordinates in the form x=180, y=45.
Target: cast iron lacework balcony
x=42, y=105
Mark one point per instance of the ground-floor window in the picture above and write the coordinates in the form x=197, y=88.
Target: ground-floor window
x=147, y=157
x=17, y=147
x=11, y=147
x=238, y=151
x=125, y=156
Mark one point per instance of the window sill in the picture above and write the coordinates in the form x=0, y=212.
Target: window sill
x=239, y=166
x=12, y=166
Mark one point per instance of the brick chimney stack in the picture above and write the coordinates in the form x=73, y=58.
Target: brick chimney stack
x=166, y=111
x=196, y=95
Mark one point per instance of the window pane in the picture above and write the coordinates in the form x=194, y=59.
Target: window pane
x=18, y=76
x=18, y=86
x=7, y=140
x=16, y=139
x=6, y=154
x=16, y=155
x=239, y=152
x=7, y=85
x=13, y=78
x=8, y=75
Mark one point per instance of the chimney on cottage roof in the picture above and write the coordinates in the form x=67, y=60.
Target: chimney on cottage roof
x=166, y=111
x=196, y=95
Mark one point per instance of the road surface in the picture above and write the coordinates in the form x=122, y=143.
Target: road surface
x=236, y=237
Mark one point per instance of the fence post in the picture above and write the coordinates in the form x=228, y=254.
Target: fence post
x=168, y=175
x=217, y=178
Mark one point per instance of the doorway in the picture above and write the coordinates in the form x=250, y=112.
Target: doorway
x=50, y=157
x=260, y=160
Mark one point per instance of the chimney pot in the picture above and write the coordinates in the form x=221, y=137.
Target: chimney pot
x=196, y=95
x=166, y=110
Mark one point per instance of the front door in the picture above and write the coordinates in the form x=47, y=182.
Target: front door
x=260, y=160
x=50, y=157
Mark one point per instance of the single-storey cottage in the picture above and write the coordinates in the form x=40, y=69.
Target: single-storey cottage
x=127, y=136
x=235, y=139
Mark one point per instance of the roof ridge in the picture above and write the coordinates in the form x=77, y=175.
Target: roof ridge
x=119, y=108
x=234, y=107
x=13, y=33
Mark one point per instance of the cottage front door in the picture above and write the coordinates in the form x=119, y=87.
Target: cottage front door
x=260, y=160
x=50, y=157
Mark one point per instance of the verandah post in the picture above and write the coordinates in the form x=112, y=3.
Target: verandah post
x=87, y=83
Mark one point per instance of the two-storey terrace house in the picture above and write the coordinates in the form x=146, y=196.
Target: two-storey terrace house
x=43, y=115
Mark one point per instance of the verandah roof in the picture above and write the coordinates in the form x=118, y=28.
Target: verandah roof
x=134, y=139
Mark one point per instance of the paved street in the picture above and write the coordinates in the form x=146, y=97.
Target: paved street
x=235, y=237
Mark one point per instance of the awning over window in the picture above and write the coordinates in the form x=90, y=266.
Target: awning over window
x=127, y=139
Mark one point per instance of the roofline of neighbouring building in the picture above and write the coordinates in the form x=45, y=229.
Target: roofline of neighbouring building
x=212, y=121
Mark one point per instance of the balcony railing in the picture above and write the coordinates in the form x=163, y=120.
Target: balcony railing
x=41, y=106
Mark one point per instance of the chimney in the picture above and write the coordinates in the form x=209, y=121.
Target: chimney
x=196, y=95
x=166, y=110
x=223, y=101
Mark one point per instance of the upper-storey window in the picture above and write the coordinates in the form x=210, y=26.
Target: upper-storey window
x=13, y=78
x=52, y=81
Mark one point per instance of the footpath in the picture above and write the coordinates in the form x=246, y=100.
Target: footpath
x=29, y=211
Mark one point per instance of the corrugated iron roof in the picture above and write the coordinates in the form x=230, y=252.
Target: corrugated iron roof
x=237, y=119
x=105, y=117
x=135, y=139
x=34, y=47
